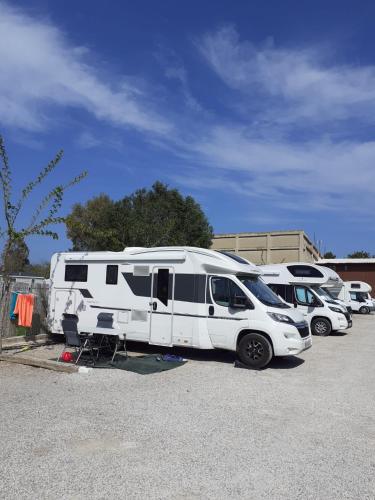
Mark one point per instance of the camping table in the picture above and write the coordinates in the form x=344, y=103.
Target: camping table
x=104, y=335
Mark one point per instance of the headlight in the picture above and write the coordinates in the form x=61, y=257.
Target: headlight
x=336, y=310
x=281, y=318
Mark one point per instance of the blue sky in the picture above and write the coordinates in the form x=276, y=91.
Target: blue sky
x=263, y=111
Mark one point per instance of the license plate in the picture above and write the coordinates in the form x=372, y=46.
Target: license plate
x=308, y=343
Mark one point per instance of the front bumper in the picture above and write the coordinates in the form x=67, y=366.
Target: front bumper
x=293, y=342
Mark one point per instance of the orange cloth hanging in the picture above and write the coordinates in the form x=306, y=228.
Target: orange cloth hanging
x=24, y=308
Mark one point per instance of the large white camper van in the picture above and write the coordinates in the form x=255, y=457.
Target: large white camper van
x=177, y=296
x=356, y=295
x=297, y=283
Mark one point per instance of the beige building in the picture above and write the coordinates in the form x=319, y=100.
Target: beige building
x=269, y=248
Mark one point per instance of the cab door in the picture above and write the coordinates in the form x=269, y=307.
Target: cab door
x=306, y=300
x=224, y=321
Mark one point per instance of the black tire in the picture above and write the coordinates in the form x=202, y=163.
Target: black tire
x=321, y=327
x=364, y=310
x=255, y=351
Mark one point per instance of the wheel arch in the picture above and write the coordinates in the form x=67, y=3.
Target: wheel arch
x=244, y=332
x=322, y=317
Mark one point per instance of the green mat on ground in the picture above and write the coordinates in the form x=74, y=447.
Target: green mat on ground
x=144, y=365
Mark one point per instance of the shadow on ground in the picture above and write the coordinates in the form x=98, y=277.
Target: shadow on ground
x=215, y=355
x=338, y=333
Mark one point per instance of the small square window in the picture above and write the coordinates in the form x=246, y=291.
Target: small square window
x=111, y=275
x=76, y=273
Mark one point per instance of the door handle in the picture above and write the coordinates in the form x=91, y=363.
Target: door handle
x=211, y=310
x=154, y=306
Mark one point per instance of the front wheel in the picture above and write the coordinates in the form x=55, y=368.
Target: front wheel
x=364, y=310
x=255, y=351
x=321, y=327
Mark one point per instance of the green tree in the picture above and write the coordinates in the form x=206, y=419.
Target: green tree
x=41, y=269
x=93, y=226
x=329, y=255
x=156, y=217
x=42, y=221
x=359, y=254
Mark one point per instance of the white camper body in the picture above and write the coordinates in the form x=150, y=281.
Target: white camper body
x=298, y=284
x=356, y=295
x=176, y=296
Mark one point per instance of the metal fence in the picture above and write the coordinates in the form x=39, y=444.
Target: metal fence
x=39, y=317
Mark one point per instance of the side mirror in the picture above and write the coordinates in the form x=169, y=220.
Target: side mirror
x=240, y=302
x=295, y=304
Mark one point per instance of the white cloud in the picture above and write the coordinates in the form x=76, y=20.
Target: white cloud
x=319, y=175
x=302, y=78
x=86, y=140
x=39, y=67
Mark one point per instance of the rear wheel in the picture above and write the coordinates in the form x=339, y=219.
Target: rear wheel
x=321, y=327
x=364, y=310
x=255, y=351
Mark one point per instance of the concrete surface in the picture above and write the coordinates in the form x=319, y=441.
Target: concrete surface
x=302, y=429
x=25, y=340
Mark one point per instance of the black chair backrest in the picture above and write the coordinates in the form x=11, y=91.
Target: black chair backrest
x=105, y=320
x=70, y=329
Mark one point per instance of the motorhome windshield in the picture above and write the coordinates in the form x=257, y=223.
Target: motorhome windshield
x=325, y=294
x=262, y=292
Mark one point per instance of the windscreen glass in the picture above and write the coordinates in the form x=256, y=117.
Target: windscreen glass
x=262, y=292
x=326, y=296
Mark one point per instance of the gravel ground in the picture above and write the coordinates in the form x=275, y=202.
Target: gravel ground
x=303, y=428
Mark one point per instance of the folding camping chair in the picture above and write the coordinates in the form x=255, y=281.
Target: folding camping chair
x=73, y=338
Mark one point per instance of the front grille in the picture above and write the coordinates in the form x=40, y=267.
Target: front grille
x=350, y=310
x=347, y=316
x=303, y=331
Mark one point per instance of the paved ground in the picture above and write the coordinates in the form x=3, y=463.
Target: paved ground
x=303, y=428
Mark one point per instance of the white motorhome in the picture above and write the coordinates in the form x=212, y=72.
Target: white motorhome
x=177, y=296
x=356, y=295
x=297, y=283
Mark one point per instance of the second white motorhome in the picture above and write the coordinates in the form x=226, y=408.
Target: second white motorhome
x=356, y=295
x=298, y=283
x=177, y=296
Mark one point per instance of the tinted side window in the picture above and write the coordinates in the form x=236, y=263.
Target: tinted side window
x=289, y=294
x=305, y=271
x=76, y=272
x=280, y=290
x=162, y=287
x=111, y=275
x=220, y=291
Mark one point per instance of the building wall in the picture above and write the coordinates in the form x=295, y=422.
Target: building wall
x=268, y=248
x=356, y=272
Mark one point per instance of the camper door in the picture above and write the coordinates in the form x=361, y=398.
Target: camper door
x=161, y=310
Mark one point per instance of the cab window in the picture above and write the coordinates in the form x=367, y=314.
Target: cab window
x=305, y=296
x=220, y=291
x=223, y=291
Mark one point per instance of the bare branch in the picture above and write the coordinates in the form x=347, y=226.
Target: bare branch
x=31, y=185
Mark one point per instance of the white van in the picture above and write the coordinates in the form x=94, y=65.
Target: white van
x=177, y=296
x=356, y=295
x=297, y=283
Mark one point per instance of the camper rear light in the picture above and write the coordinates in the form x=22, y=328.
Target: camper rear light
x=281, y=318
